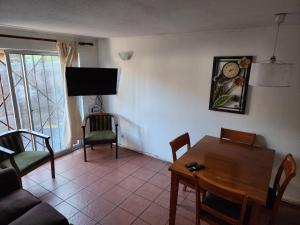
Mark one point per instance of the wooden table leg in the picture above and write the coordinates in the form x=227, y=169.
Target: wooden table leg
x=255, y=218
x=173, y=198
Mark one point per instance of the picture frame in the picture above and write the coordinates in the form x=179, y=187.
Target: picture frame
x=229, y=83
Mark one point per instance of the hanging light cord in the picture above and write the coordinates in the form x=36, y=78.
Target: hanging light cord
x=279, y=20
x=273, y=58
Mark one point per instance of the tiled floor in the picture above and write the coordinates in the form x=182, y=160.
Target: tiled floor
x=131, y=190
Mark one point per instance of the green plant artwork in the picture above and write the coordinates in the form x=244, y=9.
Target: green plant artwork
x=229, y=83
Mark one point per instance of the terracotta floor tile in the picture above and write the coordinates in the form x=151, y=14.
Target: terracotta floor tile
x=100, y=171
x=139, y=222
x=100, y=187
x=160, y=180
x=81, y=219
x=40, y=177
x=155, y=215
x=66, y=209
x=27, y=182
x=187, y=209
x=128, y=168
x=116, y=195
x=144, y=174
x=135, y=204
x=181, y=192
x=86, y=179
x=81, y=199
x=67, y=190
x=164, y=199
x=192, y=196
x=37, y=190
x=155, y=165
x=149, y=191
x=51, y=199
x=118, y=217
x=180, y=220
x=115, y=177
x=98, y=209
x=72, y=174
x=131, y=183
x=165, y=170
x=52, y=184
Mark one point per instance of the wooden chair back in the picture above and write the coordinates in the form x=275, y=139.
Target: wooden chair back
x=238, y=136
x=285, y=173
x=178, y=143
x=11, y=140
x=100, y=121
x=204, y=185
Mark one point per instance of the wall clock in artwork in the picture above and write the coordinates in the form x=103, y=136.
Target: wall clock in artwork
x=229, y=83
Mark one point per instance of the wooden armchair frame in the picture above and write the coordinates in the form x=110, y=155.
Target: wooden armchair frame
x=11, y=153
x=91, y=143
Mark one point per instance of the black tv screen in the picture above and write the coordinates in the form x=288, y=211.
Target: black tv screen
x=91, y=81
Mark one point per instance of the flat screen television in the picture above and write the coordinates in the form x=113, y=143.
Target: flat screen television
x=91, y=81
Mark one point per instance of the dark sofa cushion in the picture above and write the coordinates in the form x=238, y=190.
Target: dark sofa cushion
x=9, y=181
x=16, y=204
x=41, y=214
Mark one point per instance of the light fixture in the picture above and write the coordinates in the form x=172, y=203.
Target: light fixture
x=272, y=73
x=126, y=55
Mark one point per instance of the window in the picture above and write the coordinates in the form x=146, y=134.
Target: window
x=32, y=96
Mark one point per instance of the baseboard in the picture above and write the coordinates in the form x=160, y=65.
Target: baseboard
x=291, y=203
x=144, y=153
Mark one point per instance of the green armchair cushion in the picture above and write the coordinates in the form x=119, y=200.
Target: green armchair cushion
x=26, y=160
x=103, y=135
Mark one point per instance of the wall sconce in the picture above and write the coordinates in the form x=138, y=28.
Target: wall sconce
x=126, y=55
x=272, y=73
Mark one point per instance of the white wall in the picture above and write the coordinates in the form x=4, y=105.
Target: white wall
x=164, y=91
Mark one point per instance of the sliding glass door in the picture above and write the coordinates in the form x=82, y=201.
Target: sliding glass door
x=36, y=90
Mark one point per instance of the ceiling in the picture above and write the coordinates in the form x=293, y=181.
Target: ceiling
x=112, y=18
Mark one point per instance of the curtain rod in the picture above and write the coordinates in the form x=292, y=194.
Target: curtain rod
x=40, y=39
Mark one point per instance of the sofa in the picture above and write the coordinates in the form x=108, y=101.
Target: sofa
x=20, y=207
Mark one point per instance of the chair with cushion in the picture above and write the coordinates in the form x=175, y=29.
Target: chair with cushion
x=20, y=207
x=219, y=205
x=13, y=154
x=178, y=143
x=238, y=136
x=285, y=173
x=101, y=131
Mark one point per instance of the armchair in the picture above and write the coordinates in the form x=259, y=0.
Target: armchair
x=13, y=154
x=101, y=131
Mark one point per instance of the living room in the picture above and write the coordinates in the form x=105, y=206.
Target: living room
x=165, y=53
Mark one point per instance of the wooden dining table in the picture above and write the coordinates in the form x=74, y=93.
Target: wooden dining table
x=238, y=166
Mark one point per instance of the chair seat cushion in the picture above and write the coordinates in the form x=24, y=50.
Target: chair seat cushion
x=225, y=207
x=16, y=204
x=41, y=214
x=27, y=159
x=102, y=135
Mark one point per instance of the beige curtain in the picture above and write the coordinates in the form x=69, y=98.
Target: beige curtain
x=72, y=131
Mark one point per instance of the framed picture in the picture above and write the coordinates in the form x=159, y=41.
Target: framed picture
x=229, y=83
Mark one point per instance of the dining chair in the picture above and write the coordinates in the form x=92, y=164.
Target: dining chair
x=238, y=136
x=101, y=131
x=285, y=173
x=178, y=143
x=219, y=205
